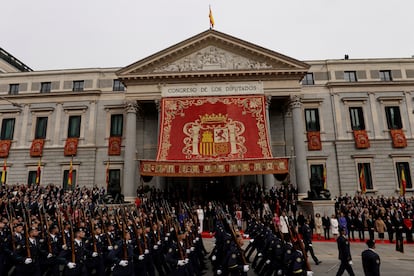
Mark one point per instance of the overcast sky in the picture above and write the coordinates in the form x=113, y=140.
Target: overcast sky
x=61, y=34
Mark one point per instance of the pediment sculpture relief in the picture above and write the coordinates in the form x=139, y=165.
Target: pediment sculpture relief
x=212, y=58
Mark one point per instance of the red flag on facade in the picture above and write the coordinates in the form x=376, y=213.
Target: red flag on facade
x=38, y=173
x=362, y=180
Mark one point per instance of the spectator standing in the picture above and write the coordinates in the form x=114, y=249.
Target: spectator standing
x=370, y=227
x=200, y=216
x=380, y=227
x=390, y=229
x=343, y=222
x=326, y=223
x=370, y=260
x=318, y=225
x=334, y=226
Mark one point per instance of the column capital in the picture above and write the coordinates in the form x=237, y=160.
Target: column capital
x=295, y=102
x=131, y=106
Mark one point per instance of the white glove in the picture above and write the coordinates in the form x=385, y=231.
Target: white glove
x=192, y=248
x=186, y=260
x=350, y=262
x=146, y=251
x=166, y=239
x=159, y=242
x=49, y=255
x=197, y=239
x=246, y=268
x=172, y=229
x=110, y=247
x=251, y=240
x=309, y=273
x=187, y=251
x=141, y=257
x=219, y=272
x=64, y=247
x=71, y=265
x=95, y=254
x=155, y=247
x=213, y=258
x=123, y=263
x=168, y=234
x=181, y=263
x=268, y=262
x=28, y=261
x=260, y=254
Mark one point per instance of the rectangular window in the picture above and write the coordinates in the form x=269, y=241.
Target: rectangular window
x=74, y=126
x=118, y=86
x=350, y=76
x=357, y=118
x=308, y=79
x=31, y=179
x=41, y=128
x=393, y=117
x=78, y=85
x=65, y=180
x=45, y=87
x=7, y=129
x=312, y=119
x=114, y=186
x=365, y=176
x=13, y=89
x=403, y=171
x=317, y=178
x=385, y=75
x=116, y=125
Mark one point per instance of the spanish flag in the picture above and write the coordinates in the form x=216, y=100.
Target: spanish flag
x=70, y=173
x=403, y=183
x=324, y=178
x=362, y=180
x=3, y=173
x=210, y=15
x=38, y=172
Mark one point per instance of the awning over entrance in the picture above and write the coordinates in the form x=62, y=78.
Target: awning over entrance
x=214, y=136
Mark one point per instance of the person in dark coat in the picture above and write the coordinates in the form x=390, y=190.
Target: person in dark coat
x=344, y=254
x=326, y=224
x=307, y=240
x=371, y=260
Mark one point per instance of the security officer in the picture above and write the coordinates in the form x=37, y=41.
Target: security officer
x=344, y=254
x=371, y=260
x=97, y=248
x=298, y=265
x=177, y=256
x=235, y=260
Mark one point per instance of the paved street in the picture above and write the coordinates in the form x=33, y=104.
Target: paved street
x=392, y=262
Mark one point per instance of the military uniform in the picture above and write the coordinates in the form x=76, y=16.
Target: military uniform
x=344, y=255
x=371, y=262
x=121, y=257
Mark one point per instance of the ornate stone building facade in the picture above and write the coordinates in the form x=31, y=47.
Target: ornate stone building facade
x=345, y=125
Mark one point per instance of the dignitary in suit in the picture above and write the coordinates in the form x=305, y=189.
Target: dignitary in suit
x=371, y=260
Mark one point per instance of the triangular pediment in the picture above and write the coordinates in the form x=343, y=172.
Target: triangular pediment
x=212, y=52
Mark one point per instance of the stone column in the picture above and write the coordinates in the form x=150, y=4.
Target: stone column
x=269, y=179
x=23, y=130
x=301, y=168
x=130, y=162
x=160, y=179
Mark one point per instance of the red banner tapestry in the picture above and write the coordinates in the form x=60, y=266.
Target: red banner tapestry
x=398, y=138
x=210, y=136
x=114, y=145
x=361, y=139
x=314, y=140
x=5, y=148
x=222, y=168
x=213, y=128
x=71, y=146
x=36, y=149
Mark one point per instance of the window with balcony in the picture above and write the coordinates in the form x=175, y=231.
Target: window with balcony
x=312, y=119
x=393, y=117
x=74, y=126
x=357, y=118
x=116, y=125
x=41, y=128
x=7, y=129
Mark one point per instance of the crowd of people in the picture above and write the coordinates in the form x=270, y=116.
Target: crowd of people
x=45, y=230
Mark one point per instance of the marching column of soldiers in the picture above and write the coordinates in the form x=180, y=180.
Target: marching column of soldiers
x=91, y=239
